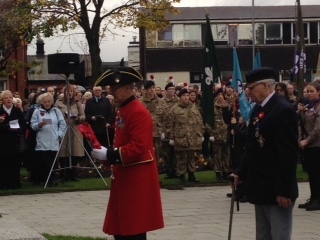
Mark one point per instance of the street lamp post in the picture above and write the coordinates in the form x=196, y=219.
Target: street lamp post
x=253, y=35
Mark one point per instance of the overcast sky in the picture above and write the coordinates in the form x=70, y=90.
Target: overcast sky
x=115, y=47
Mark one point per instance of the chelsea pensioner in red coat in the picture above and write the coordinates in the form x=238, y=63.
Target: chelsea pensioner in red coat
x=135, y=204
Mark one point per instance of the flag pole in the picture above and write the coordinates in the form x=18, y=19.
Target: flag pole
x=300, y=55
x=253, y=35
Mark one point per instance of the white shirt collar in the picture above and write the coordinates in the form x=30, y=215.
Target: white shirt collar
x=267, y=99
x=8, y=110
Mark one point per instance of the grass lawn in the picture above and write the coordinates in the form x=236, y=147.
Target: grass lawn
x=207, y=178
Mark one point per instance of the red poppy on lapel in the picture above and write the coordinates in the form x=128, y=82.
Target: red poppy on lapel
x=261, y=115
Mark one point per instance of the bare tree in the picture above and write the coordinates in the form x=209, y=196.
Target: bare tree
x=95, y=17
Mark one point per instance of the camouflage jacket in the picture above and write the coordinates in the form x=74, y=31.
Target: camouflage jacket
x=220, y=131
x=185, y=126
x=168, y=104
x=156, y=107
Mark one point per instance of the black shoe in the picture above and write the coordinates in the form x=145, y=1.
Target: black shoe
x=244, y=199
x=315, y=205
x=192, y=178
x=306, y=204
x=229, y=195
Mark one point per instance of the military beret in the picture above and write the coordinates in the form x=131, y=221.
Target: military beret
x=148, y=84
x=219, y=90
x=183, y=91
x=261, y=74
x=228, y=83
x=170, y=84
x=119, y=76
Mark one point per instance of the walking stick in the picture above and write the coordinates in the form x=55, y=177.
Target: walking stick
x=105, y=124
x=234, y=195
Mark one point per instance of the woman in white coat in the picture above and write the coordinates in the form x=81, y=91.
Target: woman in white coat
x=50, y=126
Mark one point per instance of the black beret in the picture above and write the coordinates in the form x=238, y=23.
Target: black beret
x=170, y=84
x=183, y=91
x=261, y=74
x=148, y=84
x=219, y=90
x=119, y=76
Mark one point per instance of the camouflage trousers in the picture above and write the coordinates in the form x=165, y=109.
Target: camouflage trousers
x=167, y=152
x=157, y=147
x=185, y=161
x=221, y=157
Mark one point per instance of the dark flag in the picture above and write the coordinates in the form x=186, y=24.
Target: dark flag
x=210, y=75
x=299, y=67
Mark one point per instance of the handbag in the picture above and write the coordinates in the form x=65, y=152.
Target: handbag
x=22, y=144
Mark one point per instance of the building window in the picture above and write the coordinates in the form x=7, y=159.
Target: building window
x=273, y=33
x=192, y=35
x=3, y=85
x=245, y=34
x=195, y=78
x=259, y=31
x=314, y=33
x=220, y=33
x=165, y=37
x=306, y=33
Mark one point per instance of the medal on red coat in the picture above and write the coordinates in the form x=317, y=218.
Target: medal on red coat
x=120, y=122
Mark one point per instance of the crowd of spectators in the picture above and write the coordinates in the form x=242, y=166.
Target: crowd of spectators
x=179, y=130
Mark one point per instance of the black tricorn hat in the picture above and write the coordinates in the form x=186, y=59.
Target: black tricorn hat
x=119, y=76
x=261, y=74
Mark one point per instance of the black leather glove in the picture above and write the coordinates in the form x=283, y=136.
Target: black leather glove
x=113, y=156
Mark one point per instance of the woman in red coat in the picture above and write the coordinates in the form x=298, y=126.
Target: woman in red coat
x=135, y=204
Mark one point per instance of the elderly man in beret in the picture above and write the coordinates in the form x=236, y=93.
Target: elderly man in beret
x=270, y=159
x=135, y=204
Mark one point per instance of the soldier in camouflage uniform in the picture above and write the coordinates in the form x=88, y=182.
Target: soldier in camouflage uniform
x=185, y=129
x=218, y=135
x=169, y=100
x=156, y=108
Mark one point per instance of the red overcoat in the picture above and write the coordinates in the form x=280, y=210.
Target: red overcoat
x=135, y=202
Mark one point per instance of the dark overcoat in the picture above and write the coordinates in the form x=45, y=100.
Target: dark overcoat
x=102, y=108
x=10, y=161
x=270, y=167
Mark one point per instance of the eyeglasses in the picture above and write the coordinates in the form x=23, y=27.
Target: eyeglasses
x=253, y=86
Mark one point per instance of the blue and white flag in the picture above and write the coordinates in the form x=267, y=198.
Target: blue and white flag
x=257, y=61
x=237, y=85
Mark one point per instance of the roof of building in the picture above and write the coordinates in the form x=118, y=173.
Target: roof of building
x=244, y=12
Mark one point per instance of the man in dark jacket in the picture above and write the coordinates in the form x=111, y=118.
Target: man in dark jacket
x=99, y=115
x=270, y=159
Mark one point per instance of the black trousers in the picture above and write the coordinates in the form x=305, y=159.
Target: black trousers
x=142, y=236
x=312, y=164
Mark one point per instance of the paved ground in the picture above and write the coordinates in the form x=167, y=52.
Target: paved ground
x=190, y=214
